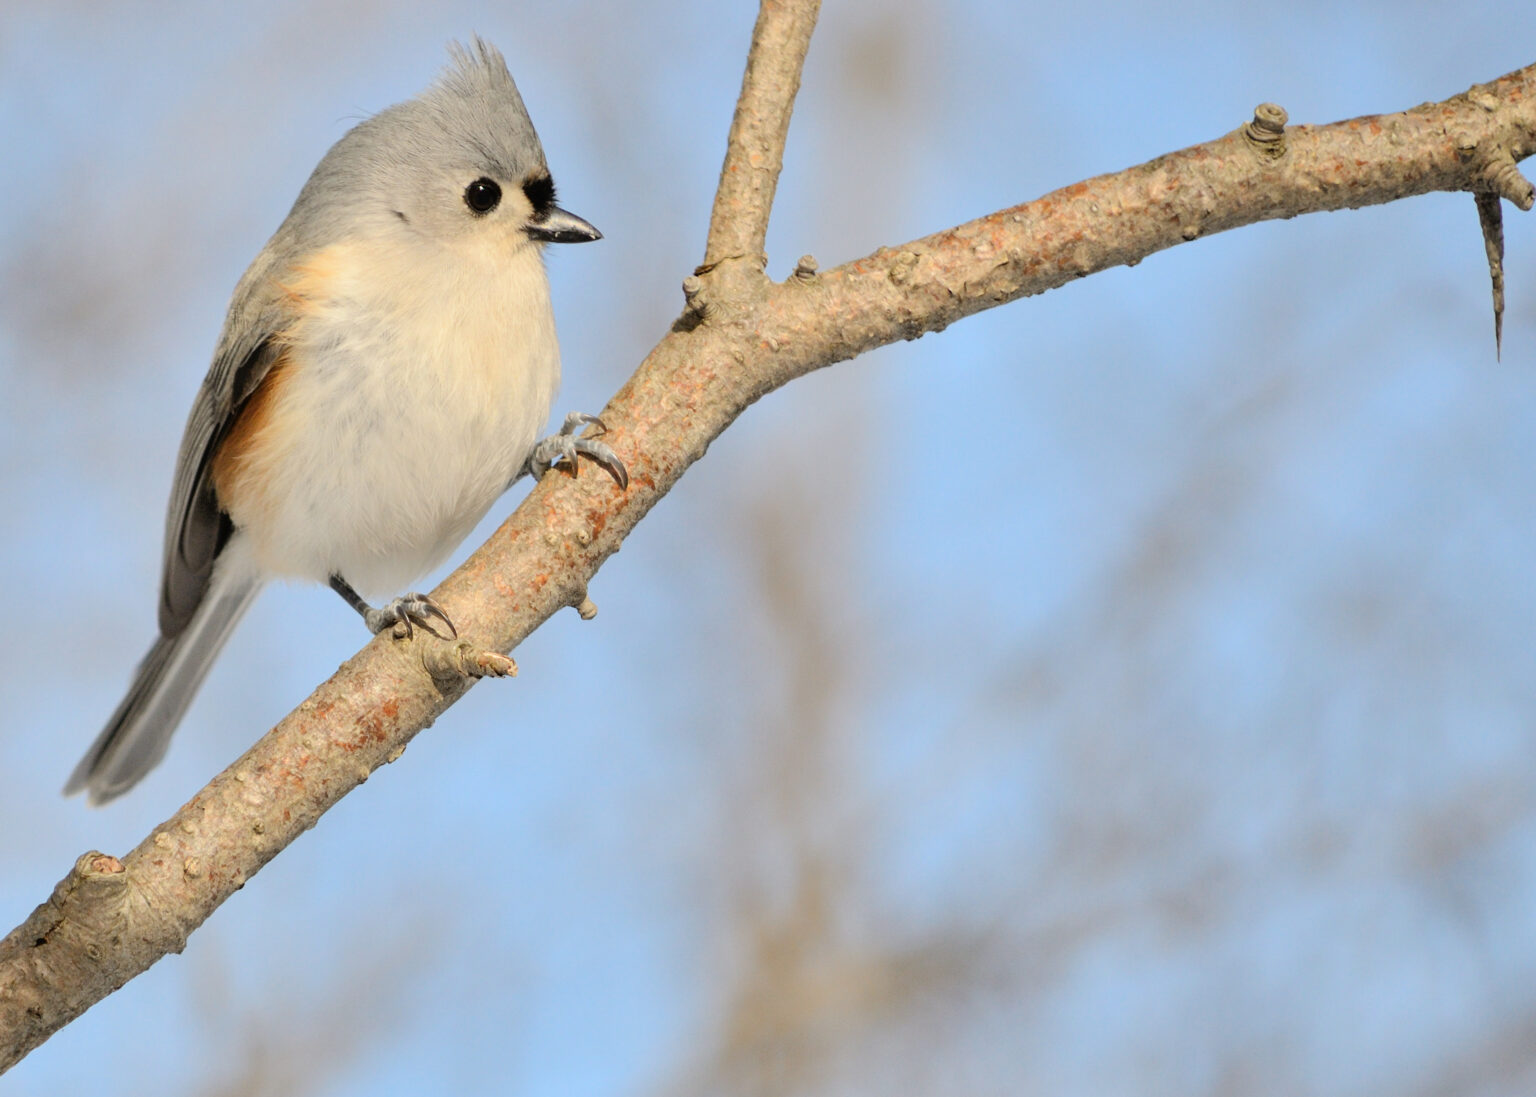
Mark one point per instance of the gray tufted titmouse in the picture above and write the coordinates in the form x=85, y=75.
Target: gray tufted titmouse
x=385, y=367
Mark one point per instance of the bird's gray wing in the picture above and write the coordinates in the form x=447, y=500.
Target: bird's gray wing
x=196, y=528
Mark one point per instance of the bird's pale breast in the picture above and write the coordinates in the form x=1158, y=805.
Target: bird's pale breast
x=399, y=412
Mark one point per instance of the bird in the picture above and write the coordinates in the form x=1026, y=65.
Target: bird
x=385, y=368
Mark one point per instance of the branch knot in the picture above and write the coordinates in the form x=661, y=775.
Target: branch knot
x=1266, y=132
x=1500, y=175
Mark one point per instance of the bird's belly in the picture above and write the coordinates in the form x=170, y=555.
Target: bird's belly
x=379, y=462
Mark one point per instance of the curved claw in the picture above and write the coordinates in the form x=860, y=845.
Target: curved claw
x=427, y=609
x=578, y=419
x=565, y=446
x=604, y=458
x=410, y=610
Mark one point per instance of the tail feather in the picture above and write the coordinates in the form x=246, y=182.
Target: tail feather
x=135, y=738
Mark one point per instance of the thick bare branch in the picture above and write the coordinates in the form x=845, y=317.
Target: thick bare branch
x=741, y=337
x=754, y=153
x=1257, y=173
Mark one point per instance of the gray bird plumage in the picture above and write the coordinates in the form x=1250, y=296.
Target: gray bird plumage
x=393, y=187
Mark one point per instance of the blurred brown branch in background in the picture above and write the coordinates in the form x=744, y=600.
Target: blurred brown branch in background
x=741, y=336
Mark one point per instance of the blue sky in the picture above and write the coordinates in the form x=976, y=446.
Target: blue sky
x=1150, y=663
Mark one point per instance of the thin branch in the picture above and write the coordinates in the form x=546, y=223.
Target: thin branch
x=754, y=152
x=740, y=338
x=1259, y=172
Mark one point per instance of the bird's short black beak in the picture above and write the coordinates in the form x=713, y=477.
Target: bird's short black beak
x=557, y=226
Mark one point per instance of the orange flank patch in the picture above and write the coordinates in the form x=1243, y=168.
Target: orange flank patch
x=238, y=490
x=309, y=281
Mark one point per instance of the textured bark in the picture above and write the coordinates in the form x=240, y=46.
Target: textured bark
x=740, y=336
x=754, y=152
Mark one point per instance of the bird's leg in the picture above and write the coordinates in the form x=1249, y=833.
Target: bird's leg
x=564, y=446
x=407, y=610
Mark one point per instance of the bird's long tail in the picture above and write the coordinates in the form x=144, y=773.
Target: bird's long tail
x=134, y=740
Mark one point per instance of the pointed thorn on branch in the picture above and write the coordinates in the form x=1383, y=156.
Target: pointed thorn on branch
x=1492, y=219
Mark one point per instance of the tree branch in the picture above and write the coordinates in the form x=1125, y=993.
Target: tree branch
x=739, y=338
x=1259, y=172
x=754, y=152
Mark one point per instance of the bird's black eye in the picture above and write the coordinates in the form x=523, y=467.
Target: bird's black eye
x=483, y=195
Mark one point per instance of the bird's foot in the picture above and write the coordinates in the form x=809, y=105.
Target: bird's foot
x=565, y=447
x=405, y=613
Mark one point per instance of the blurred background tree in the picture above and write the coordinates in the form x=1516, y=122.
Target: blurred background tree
x=1126, y=691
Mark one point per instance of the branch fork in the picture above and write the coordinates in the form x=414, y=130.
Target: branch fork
x=110, y=919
